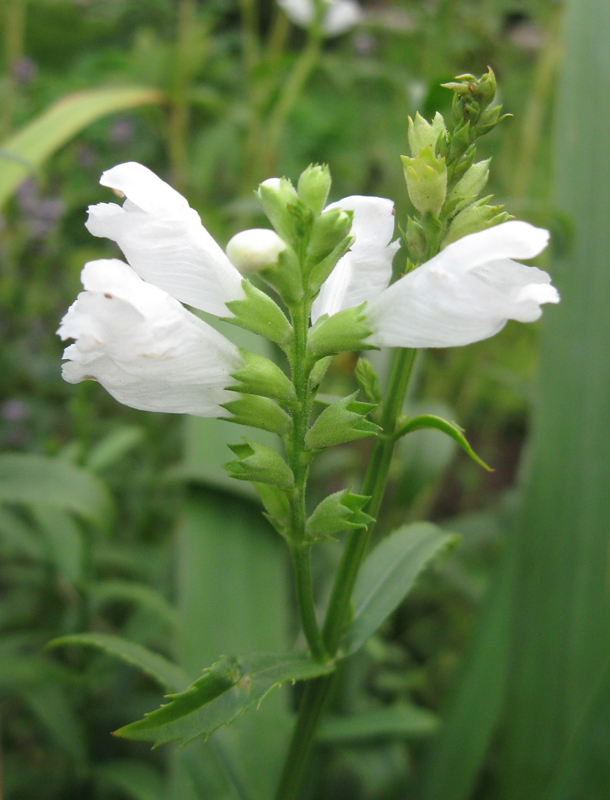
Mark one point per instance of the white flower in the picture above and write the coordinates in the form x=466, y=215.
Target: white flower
x=466, y=293
x=339, y=15
x=366, y=270
x=144, y=347
x=255, y=249
x=164, y=241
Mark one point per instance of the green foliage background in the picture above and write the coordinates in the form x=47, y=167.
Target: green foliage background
x=122, y=523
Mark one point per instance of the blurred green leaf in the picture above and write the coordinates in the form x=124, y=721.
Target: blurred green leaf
x=399, y=721
x=33, y=479
x=388, y=575
x=134, y=779
x=166, y=674
x=64, y=539
x=225, y=690
x=27, y=149
x=114, y=447
x=19, y=538
x=112, y=591
x=427, y=421
x=54, y=708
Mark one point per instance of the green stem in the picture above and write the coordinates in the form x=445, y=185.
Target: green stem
x=317, y=692
x=304, y=592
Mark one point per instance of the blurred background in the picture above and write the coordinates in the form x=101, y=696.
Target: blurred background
x=491, y=682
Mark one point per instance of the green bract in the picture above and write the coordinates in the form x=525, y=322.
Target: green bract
x=426, y=178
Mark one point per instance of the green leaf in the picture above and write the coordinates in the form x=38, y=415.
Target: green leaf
x=388, y=575
x=157, y=667
x=260, y=464
x=114, y=447
x=35, y=479
x=450, y=428
x=223, y=693
x=338, y=512
x=19, y=538
x=28, y=149
x=399, y=722
x=344, y=421
x=65, y=541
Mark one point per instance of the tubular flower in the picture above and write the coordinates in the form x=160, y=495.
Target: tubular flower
x=366, y=270
x=339, y=15
x=164, y=241
x=466, y=293
x=144, y=347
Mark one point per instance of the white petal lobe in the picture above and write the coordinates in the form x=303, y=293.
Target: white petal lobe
x=164, y=241
x=366, y=269
x=465, y=294
x=145, y=348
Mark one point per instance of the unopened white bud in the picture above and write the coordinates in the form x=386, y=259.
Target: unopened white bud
x=256, y=249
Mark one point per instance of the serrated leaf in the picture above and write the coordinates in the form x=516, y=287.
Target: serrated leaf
x=157, y=667
x=440, y=424
x=388, y=575
x=36, y=479
x=344, y=421
x=398, y=721
x=225, y=690
x=27, y=149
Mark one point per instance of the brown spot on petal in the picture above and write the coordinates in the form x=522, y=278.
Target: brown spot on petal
x=109, y=296
x=89, y=378
x=118, y=193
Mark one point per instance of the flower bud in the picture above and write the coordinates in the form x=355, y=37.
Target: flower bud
x=259, y=463
x=336, y=513
x=259, y=412
x=260, y=376
x=416, y=238
x=426, y=178
x=343, y=332
x=280, y=200
x=489, y=119
x=314, y=186
x=256, y=249
x=423, y=134
x=342, y=422
x=328, y=231
x=477, y=217
x=470, y=185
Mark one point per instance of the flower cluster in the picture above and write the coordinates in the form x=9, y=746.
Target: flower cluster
x=133, y=335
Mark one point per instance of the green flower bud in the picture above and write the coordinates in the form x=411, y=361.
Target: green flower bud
x=260, y=376
x=344, y=332
x=477, y=217
x=329, y=241
x=314, y=186
x=336, y=513
x=426, y=178
x=285, y=277
x=259, y=412
x=277, y=506
x=423, y=134
x=489, y=119
x=487, y=88
x=258, y=313
x=259, y=463
x=253, y=250
x=416, y=238
x=468, y=187
x=342, y=422
x=283, y=208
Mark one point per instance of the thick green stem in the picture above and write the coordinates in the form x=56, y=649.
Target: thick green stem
x=317, y=692
x=304, y=592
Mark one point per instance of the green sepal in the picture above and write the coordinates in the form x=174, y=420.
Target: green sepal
x=440, y=424
x=342, y=332
x=368, y=381
x=258, y=313
x=468, y=188
x=423, y=134
x=476, y=217
x=328, y=231
x=259, y=412
x=277, y=506
x=260, y=376
x=320, y=272
x=291, y=219
x=489, y=119
x=313, y=187
x=285, y=277
x=344, y=421
x=259, y=464
x=336, y=513
x=415, y=238
x=318, y=372
x=426, y=178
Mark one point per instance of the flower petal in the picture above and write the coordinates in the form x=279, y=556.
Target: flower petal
x=466, y=293
x=341, y=16
x=164, y=241
x=366, y=269
x=145, y=348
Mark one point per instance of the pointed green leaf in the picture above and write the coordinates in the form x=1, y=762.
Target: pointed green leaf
x=338, y=512
x=388, y=575
x=135, y=779
x=344, y=421
x=140, y=594
x=157, y=667
x=450, y=428
x=368, y=381
x=27, y=149
x=225, y=690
